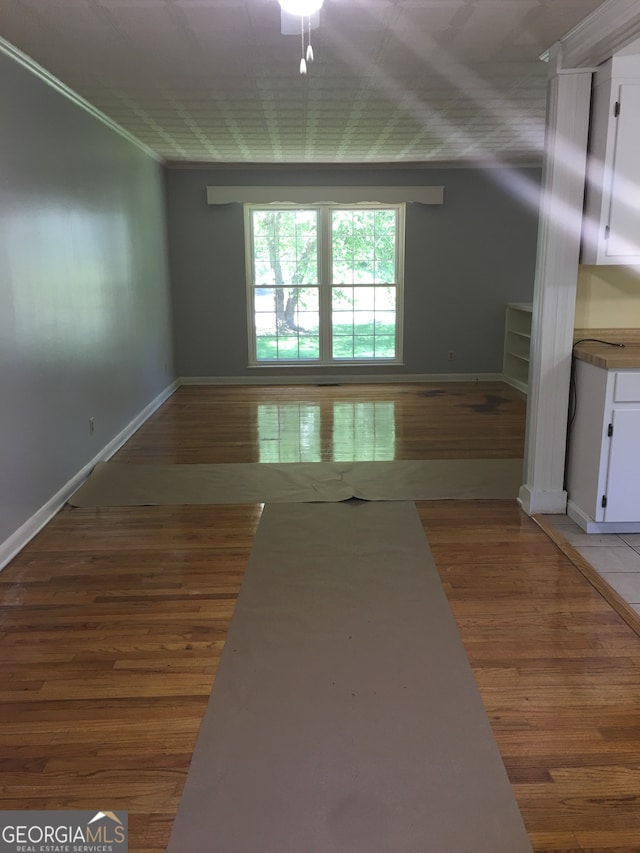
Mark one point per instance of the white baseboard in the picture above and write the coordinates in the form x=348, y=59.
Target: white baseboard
x=538, y=501
x=520, y=386
x=25, y=533
x=346, y=379
x=591, y=526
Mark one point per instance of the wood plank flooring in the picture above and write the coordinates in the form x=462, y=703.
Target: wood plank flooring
x=112, y=620
x=333, y=423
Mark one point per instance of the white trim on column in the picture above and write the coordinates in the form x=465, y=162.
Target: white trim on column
x=612, y=26
x=540, y=502
x=559, y=234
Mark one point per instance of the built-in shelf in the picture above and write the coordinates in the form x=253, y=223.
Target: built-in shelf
x=517, y=343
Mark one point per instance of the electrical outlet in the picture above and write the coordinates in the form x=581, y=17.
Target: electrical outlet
x=451, y=355
x=92, y=426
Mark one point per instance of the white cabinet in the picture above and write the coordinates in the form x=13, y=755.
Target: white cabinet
x=611, y=231
x=603, y=467
x=517, y=343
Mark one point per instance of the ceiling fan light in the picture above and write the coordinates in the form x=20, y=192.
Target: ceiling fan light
x=302, y=8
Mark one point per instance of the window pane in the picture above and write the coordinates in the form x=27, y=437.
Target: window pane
x=342, y=346
x=285, y=247
x=342, y=323
x=287, y=323
x=287, y=346
x=385, y=322
x=359, y=328
x=385, y=346
x=363, y=346
x=385, y=299
x=363, y=298
x=309, y=347
x=263, y=273
x=342, y=298
x=363, y=323
x=363, y=246
x=309, y=321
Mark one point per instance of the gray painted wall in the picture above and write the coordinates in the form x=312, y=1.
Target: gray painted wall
x=464, y=261
x=85, y=325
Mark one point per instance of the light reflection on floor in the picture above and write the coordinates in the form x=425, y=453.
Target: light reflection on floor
x=297, y=432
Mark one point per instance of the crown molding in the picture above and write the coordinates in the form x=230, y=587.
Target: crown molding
x=31, y=65
x=608, y=29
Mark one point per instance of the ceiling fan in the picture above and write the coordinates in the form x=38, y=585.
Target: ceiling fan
x=298, y=17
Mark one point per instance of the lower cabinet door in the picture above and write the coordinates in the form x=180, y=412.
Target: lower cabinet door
x=623, y=479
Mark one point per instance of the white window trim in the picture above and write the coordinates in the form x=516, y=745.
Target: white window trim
x=324, y=285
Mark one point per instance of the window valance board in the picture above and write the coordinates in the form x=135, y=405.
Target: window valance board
x=324, y=194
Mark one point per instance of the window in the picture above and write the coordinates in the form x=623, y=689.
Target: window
x=325, y=283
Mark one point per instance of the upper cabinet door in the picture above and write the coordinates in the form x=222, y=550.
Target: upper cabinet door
x=623, y=242
x=611, y=233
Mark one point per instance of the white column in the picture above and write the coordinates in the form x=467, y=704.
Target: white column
x=559, y=231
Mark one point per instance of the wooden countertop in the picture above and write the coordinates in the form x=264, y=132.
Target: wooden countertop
x=625, y=357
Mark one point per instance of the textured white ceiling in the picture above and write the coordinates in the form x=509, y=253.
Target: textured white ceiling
x=393, y=80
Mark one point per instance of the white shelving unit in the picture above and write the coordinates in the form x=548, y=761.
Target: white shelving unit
x=517, y=344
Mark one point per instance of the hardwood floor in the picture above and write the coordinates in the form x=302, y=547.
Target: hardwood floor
x=558, y=671
x=112, y=620
x=327, y=423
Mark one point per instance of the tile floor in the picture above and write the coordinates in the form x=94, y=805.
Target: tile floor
x=615, y=556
